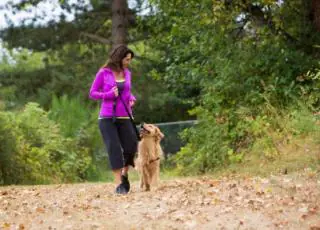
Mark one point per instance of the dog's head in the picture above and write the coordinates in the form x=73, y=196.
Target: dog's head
x=149, y=130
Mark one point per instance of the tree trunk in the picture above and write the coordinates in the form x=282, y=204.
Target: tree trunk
x=315, y=12
x=120, y=14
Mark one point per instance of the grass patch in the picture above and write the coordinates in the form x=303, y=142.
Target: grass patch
x=296, y=156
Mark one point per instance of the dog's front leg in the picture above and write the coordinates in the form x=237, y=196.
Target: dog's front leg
x=146, y=178
x=141, y=181
x=156, y=175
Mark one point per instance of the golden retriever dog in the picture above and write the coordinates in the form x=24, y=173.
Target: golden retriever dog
x=149, y=154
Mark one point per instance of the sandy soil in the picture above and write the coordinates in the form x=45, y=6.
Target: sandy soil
x=234, y=202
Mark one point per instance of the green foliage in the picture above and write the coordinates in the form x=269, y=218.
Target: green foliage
x=239, y=64
x=208, y=145
x=303, y=123
x=88, y=22
x=68, y=71
x=156, y=102
x=215, y=142
x=34, y=151
x=69, y=114
x=310, y=89
x=77, y=121
x=271, y=133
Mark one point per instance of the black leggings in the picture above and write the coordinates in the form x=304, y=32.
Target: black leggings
x=120, y=140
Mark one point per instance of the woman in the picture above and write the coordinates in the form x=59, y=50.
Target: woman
x=113, y=81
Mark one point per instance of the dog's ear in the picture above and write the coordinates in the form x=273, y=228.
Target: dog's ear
x=160, y=135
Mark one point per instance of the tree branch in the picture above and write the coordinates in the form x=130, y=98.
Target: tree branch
x=265, y=19
x=143, y=58
x=96, y=38
x=107, y=41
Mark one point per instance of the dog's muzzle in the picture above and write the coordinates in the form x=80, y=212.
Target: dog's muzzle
x=141, y=125
x=142, y=129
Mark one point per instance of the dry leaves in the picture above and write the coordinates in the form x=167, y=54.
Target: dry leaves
x=233, y=202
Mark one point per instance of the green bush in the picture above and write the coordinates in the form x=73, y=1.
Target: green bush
x=69, y=113
x=207, y=148
x=222, y=140
x=34, y=151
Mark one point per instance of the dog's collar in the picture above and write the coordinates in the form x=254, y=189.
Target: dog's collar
x=151, y=161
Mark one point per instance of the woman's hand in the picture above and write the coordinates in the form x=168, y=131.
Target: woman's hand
x=131, y=102
x=115, y=91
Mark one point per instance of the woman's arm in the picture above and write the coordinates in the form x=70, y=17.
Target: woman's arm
x=132, y=100
x=96, y=87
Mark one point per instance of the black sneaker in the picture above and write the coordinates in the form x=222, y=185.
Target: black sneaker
x=124, y=187
x=121, y=190
x=125, y=182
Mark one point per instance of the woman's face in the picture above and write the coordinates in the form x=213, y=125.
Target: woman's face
x=126, y=61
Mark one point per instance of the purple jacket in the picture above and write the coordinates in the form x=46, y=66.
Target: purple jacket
x=101, y=89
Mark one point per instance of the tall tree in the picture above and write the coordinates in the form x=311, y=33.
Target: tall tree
x=315, y=13
x=120, y=14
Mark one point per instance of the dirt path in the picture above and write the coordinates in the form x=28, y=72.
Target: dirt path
x=278, y=202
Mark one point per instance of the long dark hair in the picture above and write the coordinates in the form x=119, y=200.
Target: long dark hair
x=118, y=53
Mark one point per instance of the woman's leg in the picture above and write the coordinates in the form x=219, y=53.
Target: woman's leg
x=109, y=132
x=128, y=142
x=117, y=175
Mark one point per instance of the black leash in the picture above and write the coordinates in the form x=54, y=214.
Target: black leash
x=131, y=118
x=151, y=161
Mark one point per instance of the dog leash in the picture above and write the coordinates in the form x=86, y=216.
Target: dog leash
x=151, y=161
x=131, y=118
